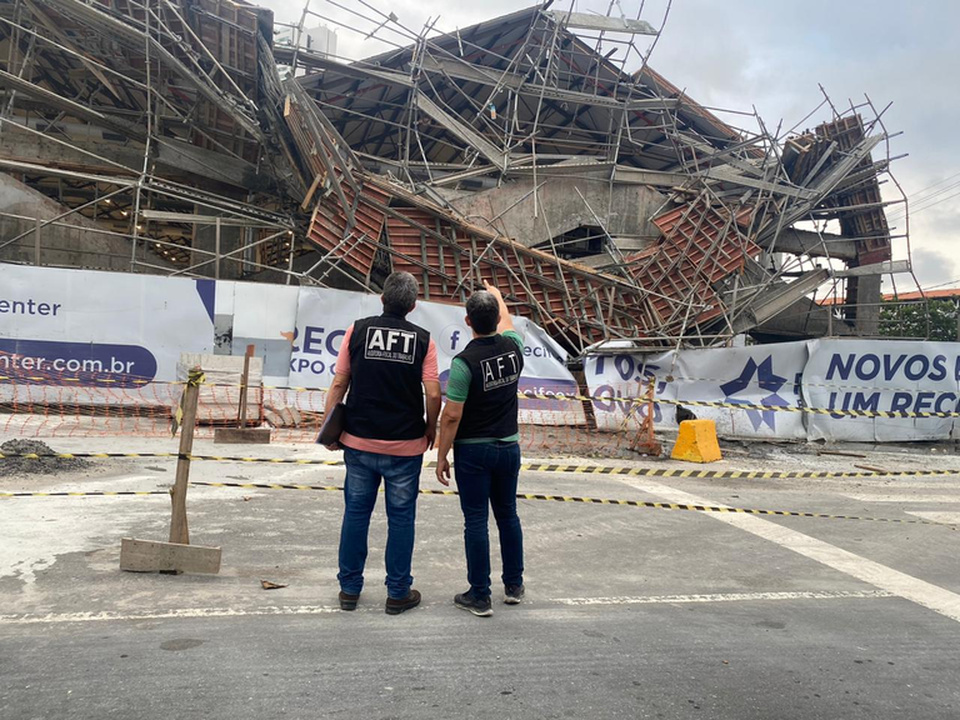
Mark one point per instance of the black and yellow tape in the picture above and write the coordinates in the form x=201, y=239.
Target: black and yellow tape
x=119, y=456
x=601, y=501
x=645, y=504
x=610, y=470
x=725, y=474
x=91, y=493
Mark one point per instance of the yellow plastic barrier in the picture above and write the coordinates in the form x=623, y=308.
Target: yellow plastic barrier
x=697, y=442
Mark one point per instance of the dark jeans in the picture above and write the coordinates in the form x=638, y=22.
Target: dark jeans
x=487, y=477
x=401, y=476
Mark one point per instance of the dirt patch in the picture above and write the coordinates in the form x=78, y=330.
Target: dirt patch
x=31, y=466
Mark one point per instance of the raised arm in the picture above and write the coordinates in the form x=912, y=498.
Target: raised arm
x=506, y=322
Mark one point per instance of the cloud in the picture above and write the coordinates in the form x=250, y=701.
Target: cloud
x=933, y=267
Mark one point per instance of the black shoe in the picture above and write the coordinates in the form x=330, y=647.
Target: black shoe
x=348, y=602
x=397, y=606
x=480, y=608
x=513, y=594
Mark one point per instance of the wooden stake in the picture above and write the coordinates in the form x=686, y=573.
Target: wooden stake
x=645, y=441
x=179, y=533
x=244, y=381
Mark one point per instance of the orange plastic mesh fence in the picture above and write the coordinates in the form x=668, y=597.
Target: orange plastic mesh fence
x=293, y=414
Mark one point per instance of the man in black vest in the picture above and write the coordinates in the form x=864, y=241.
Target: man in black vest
x=387, y=363
x=480, y=422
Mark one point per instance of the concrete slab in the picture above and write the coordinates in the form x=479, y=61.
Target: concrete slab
x=630, y=612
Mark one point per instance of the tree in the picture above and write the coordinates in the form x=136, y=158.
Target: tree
x=910, y=320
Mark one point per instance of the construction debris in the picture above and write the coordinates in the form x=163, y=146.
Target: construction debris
x=47, y=464
x=538, y=150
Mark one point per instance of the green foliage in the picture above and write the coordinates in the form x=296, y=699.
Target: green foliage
x=910, y=320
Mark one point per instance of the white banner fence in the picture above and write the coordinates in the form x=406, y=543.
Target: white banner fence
x=79, y=338
x=86, y=338
x=881, y=391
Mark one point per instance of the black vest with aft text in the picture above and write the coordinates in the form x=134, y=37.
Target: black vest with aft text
x=490, y=410
x=386, y=370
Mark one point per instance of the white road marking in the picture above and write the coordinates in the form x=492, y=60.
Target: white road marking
x=726, y=597
x=938, y=516
x=885, y=578
x=539, y=606
x=178, y=613
x=902, y=498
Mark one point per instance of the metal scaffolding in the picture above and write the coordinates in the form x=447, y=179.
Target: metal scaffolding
x=539, y=150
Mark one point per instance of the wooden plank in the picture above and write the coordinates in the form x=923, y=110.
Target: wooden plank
x=313, y=188
x=358, y=71
x=245, y=385
x=150, y=556
x=603, y=23
x=179, y=532
x=727, y=174
x=461, y=130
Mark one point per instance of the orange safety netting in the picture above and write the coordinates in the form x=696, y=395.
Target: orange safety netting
x=294, y=415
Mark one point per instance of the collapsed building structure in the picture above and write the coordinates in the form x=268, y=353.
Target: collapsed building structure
x=539, y=150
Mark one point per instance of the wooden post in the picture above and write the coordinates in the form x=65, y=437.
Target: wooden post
x=242, y=434
x=179, y=533
x=244, y=383
x=178, y=555
x=645, y=441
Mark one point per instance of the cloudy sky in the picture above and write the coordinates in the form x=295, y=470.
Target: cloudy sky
x=771, y=54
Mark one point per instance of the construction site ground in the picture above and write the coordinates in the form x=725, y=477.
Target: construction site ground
x=630, y=612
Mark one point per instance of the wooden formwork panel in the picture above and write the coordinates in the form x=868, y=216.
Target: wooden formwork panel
x=701, y=245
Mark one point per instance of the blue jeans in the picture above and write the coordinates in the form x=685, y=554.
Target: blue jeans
x=401, y=476
x=487, y=477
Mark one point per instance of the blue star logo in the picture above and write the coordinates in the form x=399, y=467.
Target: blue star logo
x=767, y=381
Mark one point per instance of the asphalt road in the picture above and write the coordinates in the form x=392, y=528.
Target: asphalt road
x=633, y=613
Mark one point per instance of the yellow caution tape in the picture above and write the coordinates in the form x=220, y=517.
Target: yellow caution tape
x=98, y=493
x=600, y=501
x=520, y=496
x=612, y=470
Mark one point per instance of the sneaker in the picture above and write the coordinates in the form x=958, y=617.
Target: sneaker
x=395, y=606
x=513, y=594
x=480, y=608
x=347, y=601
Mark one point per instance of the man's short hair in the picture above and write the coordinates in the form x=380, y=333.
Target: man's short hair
x=400, y=293
x=483, y=309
